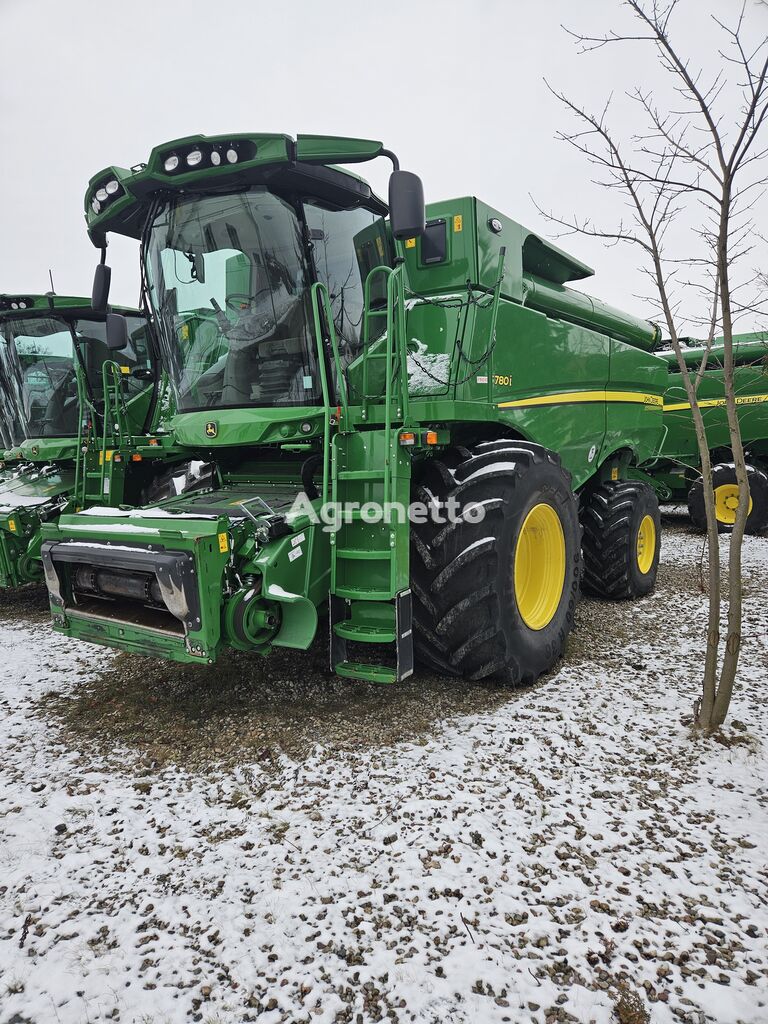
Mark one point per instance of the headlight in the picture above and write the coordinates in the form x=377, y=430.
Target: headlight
x=194, y=158
x=232, y=156
x=101, y=195
x=171, y=162
x=215, y=158
x=96, y=206
x=111, y=187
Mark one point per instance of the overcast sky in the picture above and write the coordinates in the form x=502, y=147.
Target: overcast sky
x=455, y=88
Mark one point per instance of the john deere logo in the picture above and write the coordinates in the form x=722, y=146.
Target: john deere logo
x=211, y=429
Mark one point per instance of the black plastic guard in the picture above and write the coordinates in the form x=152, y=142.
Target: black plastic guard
x=174, y=570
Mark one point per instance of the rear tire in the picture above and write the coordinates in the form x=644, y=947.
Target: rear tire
x=622, y=540
x=726, y=499
x=496, y=598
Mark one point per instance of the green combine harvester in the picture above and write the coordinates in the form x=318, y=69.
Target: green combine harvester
x=677, y=470
x=73, y=415
x=402, y=414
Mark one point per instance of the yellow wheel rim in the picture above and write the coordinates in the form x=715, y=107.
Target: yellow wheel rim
x=727, y=502
x=646, y=544
x=539, y=566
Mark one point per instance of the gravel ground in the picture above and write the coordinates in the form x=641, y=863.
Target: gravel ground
x=259, y=841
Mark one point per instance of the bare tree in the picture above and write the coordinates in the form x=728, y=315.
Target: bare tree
x=701, y=157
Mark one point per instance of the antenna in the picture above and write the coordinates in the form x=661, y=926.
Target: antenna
x=50, y=275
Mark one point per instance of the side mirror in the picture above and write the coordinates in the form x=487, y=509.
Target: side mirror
x=406, y=205
x=117, y=332
x=100, y=294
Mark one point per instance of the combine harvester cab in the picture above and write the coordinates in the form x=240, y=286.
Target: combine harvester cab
x=333, y=360
x=677, y=470
x=75, y=410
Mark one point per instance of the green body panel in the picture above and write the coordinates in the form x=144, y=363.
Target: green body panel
x=235, y=428
x=480, y=337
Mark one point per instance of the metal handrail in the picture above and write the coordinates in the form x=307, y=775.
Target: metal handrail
x=320, y=295
x=321, y=354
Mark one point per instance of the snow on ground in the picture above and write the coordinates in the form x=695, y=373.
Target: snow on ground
x=565, y=853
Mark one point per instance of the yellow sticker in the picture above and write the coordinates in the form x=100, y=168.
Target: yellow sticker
x=458, y=222
x=380, y=247
x=125, y=369
x=410, y=243
x=615, y=473
x=184, y=332
x=223, y=543
x=12, y=525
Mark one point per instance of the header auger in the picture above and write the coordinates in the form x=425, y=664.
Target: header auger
x=404, y=414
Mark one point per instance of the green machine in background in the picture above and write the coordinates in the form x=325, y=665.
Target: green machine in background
x=335, y=359
x=75, y=416
x=677, y=470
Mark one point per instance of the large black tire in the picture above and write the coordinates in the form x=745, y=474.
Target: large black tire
x=622, y=539
x=467, y=619
x=726, y=489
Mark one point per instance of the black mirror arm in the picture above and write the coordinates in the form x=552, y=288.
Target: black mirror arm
x=395, y=162
x=101, y=281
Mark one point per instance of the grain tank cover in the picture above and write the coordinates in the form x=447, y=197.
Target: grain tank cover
x=462, y=243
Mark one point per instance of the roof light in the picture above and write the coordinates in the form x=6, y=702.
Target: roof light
x=215, y=158
x=111, y=187
x=171, y=162
x=194, y=158
x=232, y=156
x=101, y=195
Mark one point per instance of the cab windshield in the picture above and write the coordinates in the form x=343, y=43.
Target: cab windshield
x=39, y=361
x=230, y=291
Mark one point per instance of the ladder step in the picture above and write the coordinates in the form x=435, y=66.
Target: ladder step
x=357, y=553
x=357, y=517
x=369, y=673
x=360, y=474
x=358, y=593
x=364, y=634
